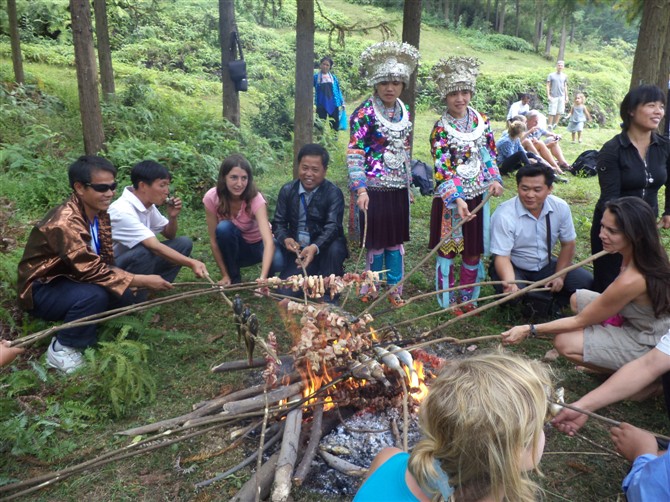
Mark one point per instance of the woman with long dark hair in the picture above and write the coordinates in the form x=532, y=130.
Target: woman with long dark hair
x=237, y=222
x=635, y=163
x=327, y=93
x=629, y=318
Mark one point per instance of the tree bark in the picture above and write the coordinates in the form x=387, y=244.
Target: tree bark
x=501, y=16
x=15, y=37
x=663, y=77
x=547, y=46
x=104, y=49
x=539, y=24
x=564, y=38
x=411, y=33
x=650, y=43
x=87, y=76
x=231, y=98
x=304, y=83
x=488, y=12
x=445, y=11
x=517, y=15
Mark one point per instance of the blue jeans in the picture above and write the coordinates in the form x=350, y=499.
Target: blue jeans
x=140, y=260
x=63, y=299
x=238, y=253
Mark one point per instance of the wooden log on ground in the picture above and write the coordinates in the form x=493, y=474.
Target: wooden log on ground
x=287, y=455
x=342, y=465
x=310, y=452
x=243, y=364
x=258, y=402
x=261, y=479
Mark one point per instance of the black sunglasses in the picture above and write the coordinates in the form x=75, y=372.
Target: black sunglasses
x=102, y=187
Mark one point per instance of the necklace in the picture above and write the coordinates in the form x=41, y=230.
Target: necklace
x=395, y=156
x=462, y=135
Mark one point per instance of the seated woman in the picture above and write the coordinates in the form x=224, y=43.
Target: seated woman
x=629, y=318
x=511, y=153
x=237, y=222
x=483, y=431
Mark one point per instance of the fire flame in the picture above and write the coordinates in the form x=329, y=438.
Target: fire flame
x=314, y=382
x=417, y=384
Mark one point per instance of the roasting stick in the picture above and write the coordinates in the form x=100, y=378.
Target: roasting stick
x=425, y=259
x=462, y=286
x=215, y=285
x=509, y=297
x=360, y=254
x=602, y=418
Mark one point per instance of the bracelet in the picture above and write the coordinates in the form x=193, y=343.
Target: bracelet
x=533, y=331
x=361, y=193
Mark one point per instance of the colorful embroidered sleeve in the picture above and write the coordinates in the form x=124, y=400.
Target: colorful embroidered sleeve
x=491, y=172
x=448, y=185
x=360, y=126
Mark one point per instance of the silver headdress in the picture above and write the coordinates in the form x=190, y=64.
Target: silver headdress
x=457, y=73
x=389, y=61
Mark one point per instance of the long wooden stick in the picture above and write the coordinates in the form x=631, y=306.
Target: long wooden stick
x=428, y=256
x=287, y=455
x=509, y=297
x=360, y=254
x=310, y=452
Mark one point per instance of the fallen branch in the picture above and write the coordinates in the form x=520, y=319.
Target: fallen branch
x=258, y=402
x=258, y=486
x=287, y=455
x=342, y=465
x=310, y=452
x=243, y=364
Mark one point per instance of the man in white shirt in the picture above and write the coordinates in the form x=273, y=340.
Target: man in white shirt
x=136, y=222
x=524, y=231
x=557, y=94
x=520, y=107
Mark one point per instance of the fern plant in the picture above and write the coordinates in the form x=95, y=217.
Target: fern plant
x=120, y=373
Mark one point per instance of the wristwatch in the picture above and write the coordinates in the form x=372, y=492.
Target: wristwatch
x=533, y=331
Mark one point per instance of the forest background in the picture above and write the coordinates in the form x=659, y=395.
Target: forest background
x=167, y=106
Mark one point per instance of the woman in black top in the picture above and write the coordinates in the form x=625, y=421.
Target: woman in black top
x=635, y=162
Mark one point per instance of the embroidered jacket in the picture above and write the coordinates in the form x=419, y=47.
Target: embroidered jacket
x=60, y=245
x=378, y=153
x=464, y=163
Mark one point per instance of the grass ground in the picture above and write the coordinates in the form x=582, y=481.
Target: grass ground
x=574, y=469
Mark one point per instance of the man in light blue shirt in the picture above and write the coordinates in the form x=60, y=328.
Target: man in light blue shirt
x=524, y=231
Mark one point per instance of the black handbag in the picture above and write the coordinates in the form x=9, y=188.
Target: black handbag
x=237, y=68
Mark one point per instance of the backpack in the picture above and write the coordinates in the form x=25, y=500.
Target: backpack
x=585, y=164
x=422, y=177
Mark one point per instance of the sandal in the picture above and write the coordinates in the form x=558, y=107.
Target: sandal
x=396, y=300
x=368, y=295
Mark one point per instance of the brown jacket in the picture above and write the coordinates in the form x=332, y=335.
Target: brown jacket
x=60, y=245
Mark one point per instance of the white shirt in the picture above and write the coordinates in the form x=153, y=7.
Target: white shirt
x=664, y=344
x=132, y=222
x=517, y=108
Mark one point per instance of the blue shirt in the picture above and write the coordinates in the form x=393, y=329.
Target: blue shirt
x=507, y=147
x=523, y=237
x=387, y=483
x=648, y=479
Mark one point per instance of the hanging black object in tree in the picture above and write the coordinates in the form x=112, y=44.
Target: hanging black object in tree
x=237, y=67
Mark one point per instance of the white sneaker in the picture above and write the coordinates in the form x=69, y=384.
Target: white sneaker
x=66, y=359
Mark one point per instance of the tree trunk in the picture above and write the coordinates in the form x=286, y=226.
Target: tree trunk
x=517, y=15
x=17, y=59
x=663, y=77
x=87, y=76
x=411, y=32
x=564, y=37
x=547, y=46
x=445, y=11
x=539, y=24
x=104, y=49
x=457, y=12
x=228, y=25
x=501, y=16
x=304, y=82
x=650, y=42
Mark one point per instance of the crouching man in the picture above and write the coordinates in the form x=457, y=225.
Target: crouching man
x=136, y=222
x=308, y=218
x=67, y=270
x=524, y=231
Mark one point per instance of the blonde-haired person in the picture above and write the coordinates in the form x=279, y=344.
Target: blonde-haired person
x=511, y=153
x=483, y=431
x=577, y=116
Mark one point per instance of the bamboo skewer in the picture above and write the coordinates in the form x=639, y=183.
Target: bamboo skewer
x=360, y=254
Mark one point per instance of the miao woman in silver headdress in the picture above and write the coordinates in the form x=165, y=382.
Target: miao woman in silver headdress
x=379, y=164
x=464, y=155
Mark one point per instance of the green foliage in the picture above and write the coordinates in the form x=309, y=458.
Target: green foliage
x=118, y=373
x=492, y=42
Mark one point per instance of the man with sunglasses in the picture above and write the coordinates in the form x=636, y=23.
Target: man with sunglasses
x=136, y=222
x=67, y=270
